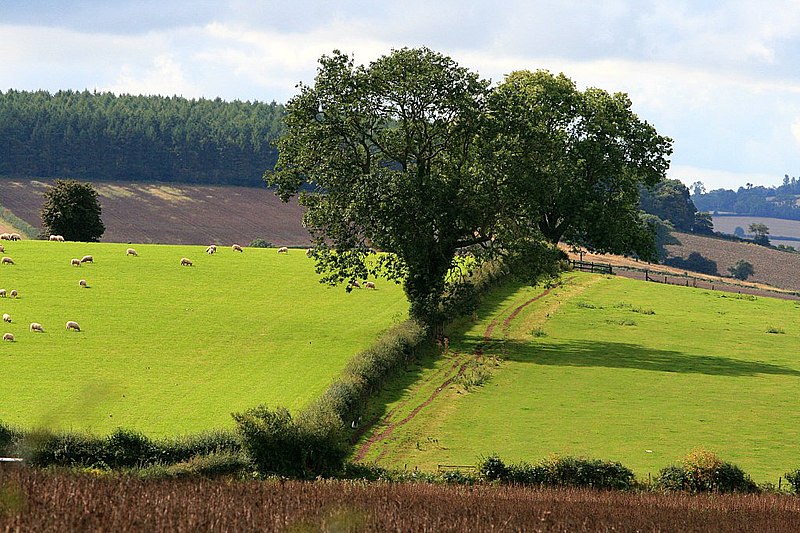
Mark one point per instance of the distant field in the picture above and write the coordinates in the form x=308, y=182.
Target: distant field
x=166, y=213
x=167, y=349
x=778, y=227
x=608, y=368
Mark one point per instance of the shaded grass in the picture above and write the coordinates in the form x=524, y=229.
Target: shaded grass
x=701, y=371
x=167, y=349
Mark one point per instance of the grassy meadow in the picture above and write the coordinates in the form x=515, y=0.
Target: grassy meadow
x=608, y=368
x=169, y=350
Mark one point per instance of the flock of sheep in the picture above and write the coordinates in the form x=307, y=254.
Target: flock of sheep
x=71, y=325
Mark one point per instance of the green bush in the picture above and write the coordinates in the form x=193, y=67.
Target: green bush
x=260, y=243
x=492, y=468
x=8, y=437
x=703, y=471
x=46, y=448
x=125, y=449
x=793, y=478
x=560, y=471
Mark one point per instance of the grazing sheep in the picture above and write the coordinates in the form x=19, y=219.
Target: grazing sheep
x=6, y=317
x=2, y=248
x=87, y=259
x=236, y=248
x=186, y=262
x=82, y=283
x=309, y=252
x=355, y=284
x=131, y=251
x=56, y=238
x=8, y=337
x=35, y=326
x=75, y=262
x=13, y=293
x=2, y=293
x=73, y=325
x=283, y=250
x=7, y=261
x=369, y=284
x=212, y=249
x=5, y=236
x=15, y=237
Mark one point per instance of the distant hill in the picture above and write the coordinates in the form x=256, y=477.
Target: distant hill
x=175, y=213
x=772, y=267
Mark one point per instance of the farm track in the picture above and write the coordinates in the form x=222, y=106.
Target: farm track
x=460, y=363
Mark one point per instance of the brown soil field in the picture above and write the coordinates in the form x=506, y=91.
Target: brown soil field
x=41, y=501
x=175, y=213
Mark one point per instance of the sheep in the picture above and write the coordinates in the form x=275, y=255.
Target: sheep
x=71, y=324
x=236, y=248
x=87, y=259
x=283, y=250
x=131, y=251
x=186, y=262
x=2, y=293
x=82, y=283
x=35, y=326
x=2, y=248
x=8, y=337
x=56, y=238
x=369, y=284
x=5, y=236
x=75, y=262
x=15, y=237
x=212, y=249
x=6, y=317
x=6, y=260
x=355, y=284
x=13, y=293
x=309, y=252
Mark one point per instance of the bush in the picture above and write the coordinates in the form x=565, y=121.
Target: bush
x=741, y=270
x=694, y=262
x=560, y=471
x=8, y=437
x=703, y=471
x=793, y=478
x=260, y=243
x=493, y=468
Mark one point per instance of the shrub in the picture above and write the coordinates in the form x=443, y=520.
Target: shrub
x=793, y=478
x=46, y=448
x=560, y=471
x=8, y=436
x=492, y=468
x=126, y=448
x=260, y=243
x=741, y=270
x=694, y=262
x=703, y=471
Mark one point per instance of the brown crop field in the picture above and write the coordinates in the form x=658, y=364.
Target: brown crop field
x=42, y=501
x=778, y=227
x=175, y=213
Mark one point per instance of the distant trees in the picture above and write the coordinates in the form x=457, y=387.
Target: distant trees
x=71, y=209
x=741, y=269
x=760, y=233
x=100, y=136
x=670, y=200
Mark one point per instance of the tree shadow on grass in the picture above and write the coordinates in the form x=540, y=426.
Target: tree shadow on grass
x=581, y=353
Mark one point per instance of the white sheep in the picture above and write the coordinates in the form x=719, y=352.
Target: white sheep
x=309, y=252
x=283, y=250
x=212, y=249
x=131, y=251
x=369, y=284
x=7, y=260
x=6, y=317
x=13, y=293
x=75, y=262
x=236, y=248
x=5, y=236
x=82, y=283
x=35, y=326
x=355, y=284
x=56, y=238
x=16, y=237
x=8, y=337
x=2, y=293
x=87, y=259
x=71, y=324
x=186, y=262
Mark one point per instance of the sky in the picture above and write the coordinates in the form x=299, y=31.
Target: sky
x=720, y=78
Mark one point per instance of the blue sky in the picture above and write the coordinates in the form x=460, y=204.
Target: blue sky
x=720, y=78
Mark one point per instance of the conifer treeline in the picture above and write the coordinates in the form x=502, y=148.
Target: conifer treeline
x=101, y=136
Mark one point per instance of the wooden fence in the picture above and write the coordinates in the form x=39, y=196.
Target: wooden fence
x=594, y=268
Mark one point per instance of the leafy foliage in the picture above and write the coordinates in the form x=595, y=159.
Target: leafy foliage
x=741, y=269
x=703, y=471
x=694, y=262
x=559, y=471
x=71, y=209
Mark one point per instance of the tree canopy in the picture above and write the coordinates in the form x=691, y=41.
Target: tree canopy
x=72, y=210
x=418, y=157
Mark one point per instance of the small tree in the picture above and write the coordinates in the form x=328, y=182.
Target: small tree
x=71, y=209
x=760, y=233
x=741, y=270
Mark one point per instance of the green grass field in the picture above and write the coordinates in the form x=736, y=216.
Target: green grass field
x=169, y=350
x=614, y=369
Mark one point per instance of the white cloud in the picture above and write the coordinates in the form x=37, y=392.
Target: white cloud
x=164, y=76
x=720, y=179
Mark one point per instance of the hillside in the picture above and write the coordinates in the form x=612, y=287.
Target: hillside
x=175, y=213
x=772, y=267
